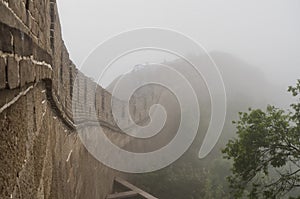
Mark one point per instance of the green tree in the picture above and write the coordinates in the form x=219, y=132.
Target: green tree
x=266, y=152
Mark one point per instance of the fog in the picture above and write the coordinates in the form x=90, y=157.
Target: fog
x=263, y=33
x=255, y=44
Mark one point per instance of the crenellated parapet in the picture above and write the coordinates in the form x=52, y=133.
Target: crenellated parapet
x=42, y=155
x=32, y=50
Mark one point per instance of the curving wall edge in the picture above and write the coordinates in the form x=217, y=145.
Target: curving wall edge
x=41, y=154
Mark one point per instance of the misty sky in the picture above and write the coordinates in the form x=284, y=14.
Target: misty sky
x=262, y=33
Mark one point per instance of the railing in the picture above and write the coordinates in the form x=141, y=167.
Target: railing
x=131, y=192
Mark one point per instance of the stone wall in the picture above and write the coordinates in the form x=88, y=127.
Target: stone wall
x=41, y=153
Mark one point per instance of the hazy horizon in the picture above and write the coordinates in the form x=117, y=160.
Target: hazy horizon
x=264, y=34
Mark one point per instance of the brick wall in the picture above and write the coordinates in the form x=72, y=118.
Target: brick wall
x=41, y=154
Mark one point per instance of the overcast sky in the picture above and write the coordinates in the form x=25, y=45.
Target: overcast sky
x=263, y=33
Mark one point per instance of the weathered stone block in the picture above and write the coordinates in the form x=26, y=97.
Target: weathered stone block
x=38, y=73
x=34, y=28
x=40, y=54
x=41, y=21
x=23, y=72
x=32, y=69
x=23, y=11
x=44, y=72
x=22, y=43
x=30, y=6
x=2, y=73
x=27, y=72
x=42, y=38
x=36, y=14
x=38, y=19
x=48, y=73
x=6, y=38
x=29, y=20
x=16, y=6
x=12, y=73
x=41, y=71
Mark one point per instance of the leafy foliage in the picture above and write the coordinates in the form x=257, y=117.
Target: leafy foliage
x=266, y=152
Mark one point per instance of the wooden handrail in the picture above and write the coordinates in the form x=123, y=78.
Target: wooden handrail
x=122, y=195
x=134, y=191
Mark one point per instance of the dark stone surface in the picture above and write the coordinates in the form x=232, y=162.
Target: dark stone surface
x=6, y=39
x=12, y=73
x=27, y=72
x=22, y=43
x=2, y=73
x=15, y=6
